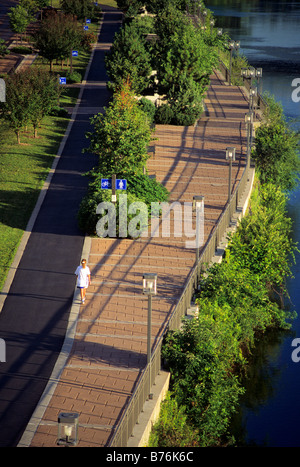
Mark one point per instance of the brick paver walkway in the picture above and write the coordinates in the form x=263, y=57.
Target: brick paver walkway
x=109, y=349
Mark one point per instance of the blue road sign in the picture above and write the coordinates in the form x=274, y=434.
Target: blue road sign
x=62, y=80
x=121, y=184
x=74, y=53
x=88, y=21
x=106, y=184
x=85, y=28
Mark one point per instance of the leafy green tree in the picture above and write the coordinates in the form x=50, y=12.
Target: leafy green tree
x=157, y=6
x=15, y=110
x=130, y=7
x=31, y=7
x=276, y=153
x=121, y=136
x=30, y=95
x=183, y=53
x=82, y=9
x=263, y=243
x=44, y=94
x=57, y=35
x=19, y=19
x=184, y=63
x=129, y=58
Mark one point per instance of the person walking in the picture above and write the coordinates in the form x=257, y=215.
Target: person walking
x=83, y=274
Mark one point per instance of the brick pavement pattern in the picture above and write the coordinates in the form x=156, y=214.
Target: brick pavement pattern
x=110, y=345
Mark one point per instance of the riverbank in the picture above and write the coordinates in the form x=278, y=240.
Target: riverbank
x=268, y=36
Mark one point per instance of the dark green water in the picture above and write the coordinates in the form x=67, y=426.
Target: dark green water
x=269, y=32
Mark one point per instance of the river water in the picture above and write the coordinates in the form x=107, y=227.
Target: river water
x=269, y=32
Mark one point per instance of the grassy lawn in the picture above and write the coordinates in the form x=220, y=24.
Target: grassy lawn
x=24, y=167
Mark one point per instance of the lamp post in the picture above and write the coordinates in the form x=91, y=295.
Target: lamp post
x=253, y=93
x=149, y=288
x=251, y=73
x=249, y=124
x=230, y=156
x=198, y=207
x=232, y=45
x=212, y=23
x=67, y=429
x=259, y=73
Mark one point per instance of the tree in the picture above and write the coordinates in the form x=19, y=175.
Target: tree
x=82, y=9
x=276, y=149
x=30, y=95
x=182, y=52
x=130, y=7
x=57, y=35
x=15, y=110
x=184, y=63
x=19, y=19
x=130, y=59
x=121, y=136
x=44, y=93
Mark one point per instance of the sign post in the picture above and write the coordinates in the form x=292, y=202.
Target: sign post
x=113, y=184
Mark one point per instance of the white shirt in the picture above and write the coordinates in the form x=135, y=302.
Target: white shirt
x=82, y=276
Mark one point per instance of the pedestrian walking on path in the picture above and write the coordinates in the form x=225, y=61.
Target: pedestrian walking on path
x=83, y=278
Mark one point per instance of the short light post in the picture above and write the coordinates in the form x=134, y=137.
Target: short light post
x=232, y=45
x=230, y=156
x=249, y=125
x=149, y=288
x=252, y=73
x=253, y=93
x=212, y=23
x=67, y=429
x=259, y=73
x=198, y=208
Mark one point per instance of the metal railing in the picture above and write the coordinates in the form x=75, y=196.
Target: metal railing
x=131, y=413
x=259, y=101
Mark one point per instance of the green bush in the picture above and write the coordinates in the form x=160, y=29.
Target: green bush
x=149, y=108
x=173, y=429
x=276, y=153
x=73, y=77
x=164, y=115
x=140, y=189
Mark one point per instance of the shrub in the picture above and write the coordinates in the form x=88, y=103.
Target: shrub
x=139, y=189
x=73, y=77
x=164, y=114
x=276, y=153
x=149, y=108
x=173, y=429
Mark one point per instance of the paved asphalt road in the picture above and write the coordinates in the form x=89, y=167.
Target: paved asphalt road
x=34, y=317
